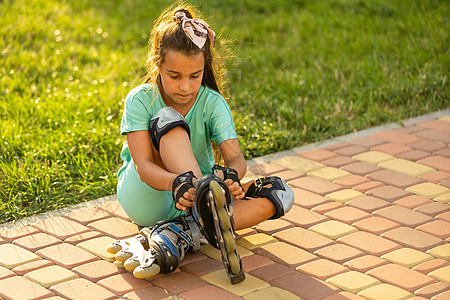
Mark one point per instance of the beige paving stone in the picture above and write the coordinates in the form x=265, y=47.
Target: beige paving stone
x=82, y=289
x=255, y=241
x=60, y=227
x=407, y=257
x=428, y=190
x=307, y=199
x=6, y=273
x=442, y=274
x=36, y=241
x=315, y=185
x=385, y=291
x=50, y=276
x=66, y=255
x=445, y=198
x=442, y=251
x=322, y=269
x=214, y=253
x=445, y=118
x=329, y=173
x=299, y=164
x=249, y=285
x=114, y=208
x=18, y=287
x=303, y=217
x=344, y=196
x=97, y=270
x=12, y=256
x=265, y=169
x=303, y=238
x=333, y=229
x=271, y=293
x=286, y=254
x=407, y=167
x=373, y=157
x=353, y=281
x=123, y=283
x=339, y=253
x=98, y=247
x=32, y=266
x=270, y=227
x=87, y=215
x=115, y=227
x=73, y=240
x=365, y=263
x=318, y=154
x=17, y=232
x=433, y=289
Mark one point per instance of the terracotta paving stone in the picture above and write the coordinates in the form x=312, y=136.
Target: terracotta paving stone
x=365, y=187
x=443, y=152
x=376, y=225
x=305, y=286
x=368, y=203
x=442, y=296
x=82, y=237
x=348, y=215
x=333, y=229
x=353, y=281
x=432, y=289
x=428, y=146
x=303, y=217
x=179, y=282
x=298, y=163
x=271, y=293
x=148, y=293
x=403, y=216
x=271, y=272
x=388, y=193
x=36, y=241
x=445, y=183
x=438, y=162
x=191, y=257
x=12, y=256
x=81, y=289
x=344, y=195
x=114, y=208
x=407, y=257
x=351, y=181
x=286, y=254
x=220, y=279
x=266, y=169
x=434, y=136
x=402, y=277
x=307, y=199
x=441, y=274
x=368, y=141
x=438, y=228
x=318, y=155
x=18, y=287
x=255, y=241
x=433, y=209
x=339, y=253
x=338, y=161
x=444, y=216
x=321, y=209
x=98, y=247
x=121, y=284
x=438, y=125
x=207, y=292
x=315, y=185
x=60, y=227
x=271, y=226
x=2, y=241
x=361, y=168
x=87, y=215
x=412, y=201
x=17, y=232
x=32, y=266
x=397, y=137
x=97, y=270
x=303, y=238
x=380, y=291
x=431, y=265
x=288, y=175
x=202, y=267
x=351, y=150
x=336, y=146
x=414, y=155
x=413, y=238
x=6, y=273
x=50, y=276
x=329, y=173
x=441, y=251
x=369, y=243
x=389, y=177
x=365, y=263
x=393, y=149
x=322, y=269
x=66, y=255
x=253, y=262
x=409, y=129
x=116, y=228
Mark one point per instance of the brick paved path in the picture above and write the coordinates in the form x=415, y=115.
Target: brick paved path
x=371, y=220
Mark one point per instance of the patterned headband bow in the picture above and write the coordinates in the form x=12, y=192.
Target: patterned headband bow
x=196, y=29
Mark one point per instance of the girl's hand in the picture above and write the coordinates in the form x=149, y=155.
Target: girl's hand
x=187, y=200
x=235, y=189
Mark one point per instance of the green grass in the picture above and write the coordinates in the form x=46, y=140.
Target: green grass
x=302, y=71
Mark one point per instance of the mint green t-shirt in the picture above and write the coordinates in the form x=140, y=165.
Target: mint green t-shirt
x=209, y=119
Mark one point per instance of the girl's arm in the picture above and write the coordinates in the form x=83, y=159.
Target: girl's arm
x=233, y=157
x=139, y=144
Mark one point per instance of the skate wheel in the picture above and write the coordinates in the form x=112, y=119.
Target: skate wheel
x=218, y=193
x=234, y=262
x=146, y=272
x=119, y=264
x=229, y=241
x=123, y=256
x=224, y=218
x=113, y=248
x=131, y=264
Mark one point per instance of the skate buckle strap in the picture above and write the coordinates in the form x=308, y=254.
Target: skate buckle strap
x=228, y=173
x=183, y=182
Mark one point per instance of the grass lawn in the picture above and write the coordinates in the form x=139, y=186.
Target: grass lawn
x=302, y=71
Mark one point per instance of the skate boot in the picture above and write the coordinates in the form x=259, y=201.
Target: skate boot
x=213, y=211
x=157, y=249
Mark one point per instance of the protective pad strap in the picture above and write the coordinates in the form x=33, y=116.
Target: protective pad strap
x=279, y=193
x=184, y=182
x=228, y=173
x=165, y=119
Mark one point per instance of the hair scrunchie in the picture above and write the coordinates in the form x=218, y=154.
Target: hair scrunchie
x=197, y=30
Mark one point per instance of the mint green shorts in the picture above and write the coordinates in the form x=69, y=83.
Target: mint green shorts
x=144, y=205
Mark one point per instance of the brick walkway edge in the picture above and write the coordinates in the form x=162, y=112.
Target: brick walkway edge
x=371, y=220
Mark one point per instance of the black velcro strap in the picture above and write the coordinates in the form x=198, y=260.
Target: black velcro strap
x=183, y=182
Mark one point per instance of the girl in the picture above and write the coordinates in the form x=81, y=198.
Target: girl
x=170, y=122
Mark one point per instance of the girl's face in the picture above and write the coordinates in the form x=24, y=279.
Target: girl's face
x=181, y=78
